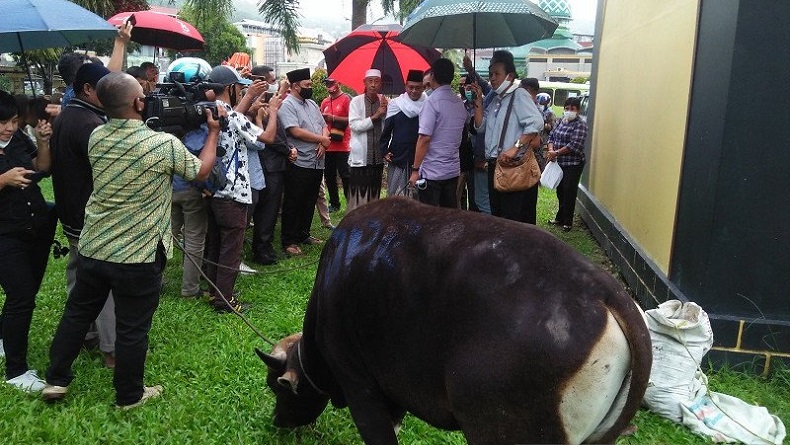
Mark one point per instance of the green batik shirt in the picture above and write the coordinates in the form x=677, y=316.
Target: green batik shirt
x=128, y=213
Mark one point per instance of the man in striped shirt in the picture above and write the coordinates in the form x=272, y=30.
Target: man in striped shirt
x=126, y=237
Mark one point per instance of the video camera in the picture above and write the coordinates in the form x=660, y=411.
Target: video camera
x=177, y=106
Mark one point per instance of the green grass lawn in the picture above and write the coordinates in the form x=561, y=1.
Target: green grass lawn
x=215, y=391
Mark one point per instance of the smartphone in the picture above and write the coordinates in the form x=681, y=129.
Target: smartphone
x=267, y=96
x=132, y=20
x=37, y=176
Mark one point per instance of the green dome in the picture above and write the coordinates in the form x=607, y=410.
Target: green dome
x=557, y=9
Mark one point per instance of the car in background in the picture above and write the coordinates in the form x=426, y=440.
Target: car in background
x=560, y=91
x=585, y=105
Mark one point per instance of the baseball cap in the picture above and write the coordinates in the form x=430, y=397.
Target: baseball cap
x=225, y=75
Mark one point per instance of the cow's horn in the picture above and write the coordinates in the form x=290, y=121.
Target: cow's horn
x=289, y=380
x=276, y=363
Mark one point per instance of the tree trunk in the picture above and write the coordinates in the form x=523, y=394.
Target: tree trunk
x=359, y=13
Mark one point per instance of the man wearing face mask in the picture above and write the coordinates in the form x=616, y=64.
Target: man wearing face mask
x=508, y=137
x=126, y=237
x=308, y=132
x=335, y=110
x=227, y=210
x=566, y=147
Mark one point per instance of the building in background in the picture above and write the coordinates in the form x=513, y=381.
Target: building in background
x=561, y=58
x=268, y=48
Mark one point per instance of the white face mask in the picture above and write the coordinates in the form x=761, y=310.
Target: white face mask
x=273, y=88
x=569, y=115
x=504, y=86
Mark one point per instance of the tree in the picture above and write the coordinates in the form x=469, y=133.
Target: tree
x=285, y=15
x=44, y=62
x=222, y=39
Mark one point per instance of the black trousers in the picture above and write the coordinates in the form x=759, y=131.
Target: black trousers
x=567, y=191
x=25, y=256
x=517, y=206
x=301, y=194
x=265, y=214
x=336, y=164
x=440, y=193
x=135, y=288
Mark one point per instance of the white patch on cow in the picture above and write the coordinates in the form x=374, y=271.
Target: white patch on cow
x=590, y=394
x=559, y=326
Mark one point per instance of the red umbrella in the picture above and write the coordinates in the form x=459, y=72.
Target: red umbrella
x=161, y=30
x=373, y=46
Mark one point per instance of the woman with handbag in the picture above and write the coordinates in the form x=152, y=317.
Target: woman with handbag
x=566, y=147
x=512, y=126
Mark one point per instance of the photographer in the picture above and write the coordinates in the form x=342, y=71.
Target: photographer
x=227, y=218
x=126, y=237
x=27, y=227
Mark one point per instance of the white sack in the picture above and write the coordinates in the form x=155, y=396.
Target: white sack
x=681, y=336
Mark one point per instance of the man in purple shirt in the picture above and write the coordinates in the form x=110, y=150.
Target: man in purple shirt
x=436, y=159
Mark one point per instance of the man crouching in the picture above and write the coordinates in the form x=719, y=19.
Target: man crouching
x=126, y=237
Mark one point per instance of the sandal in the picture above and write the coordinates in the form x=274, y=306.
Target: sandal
x=292, y=249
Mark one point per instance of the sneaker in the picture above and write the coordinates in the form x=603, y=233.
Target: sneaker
x=28, y=382
x=246, y=270
x=235, y=306
x=149, y=392
x=53, y=393
x=2, y=350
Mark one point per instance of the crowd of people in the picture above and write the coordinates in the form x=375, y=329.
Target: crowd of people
x=125, y=193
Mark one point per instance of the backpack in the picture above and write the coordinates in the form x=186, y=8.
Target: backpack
x=218, y=177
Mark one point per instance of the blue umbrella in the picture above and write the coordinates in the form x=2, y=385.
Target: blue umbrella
x=37, y=24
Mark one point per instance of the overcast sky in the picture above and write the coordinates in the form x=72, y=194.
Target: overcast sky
x=336, y=14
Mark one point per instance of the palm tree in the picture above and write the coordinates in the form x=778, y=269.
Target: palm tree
x=285, y=14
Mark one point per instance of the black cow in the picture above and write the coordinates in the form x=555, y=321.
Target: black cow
x=468, y=322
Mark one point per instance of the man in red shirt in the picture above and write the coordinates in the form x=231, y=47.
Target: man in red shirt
x=335, y=111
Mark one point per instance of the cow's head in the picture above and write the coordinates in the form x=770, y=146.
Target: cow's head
x=298, y=402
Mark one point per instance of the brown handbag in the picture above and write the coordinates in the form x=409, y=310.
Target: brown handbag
x=519, y=174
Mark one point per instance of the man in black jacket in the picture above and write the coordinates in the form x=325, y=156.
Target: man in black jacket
x=274, y=159
x=399, y=136
x=72, y=181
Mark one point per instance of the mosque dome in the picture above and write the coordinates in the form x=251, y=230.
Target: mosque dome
x=559, y=10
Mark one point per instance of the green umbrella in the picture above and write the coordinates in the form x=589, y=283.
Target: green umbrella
x=476, y=24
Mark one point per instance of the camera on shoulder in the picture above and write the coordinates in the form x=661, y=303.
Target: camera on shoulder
x=177, y=106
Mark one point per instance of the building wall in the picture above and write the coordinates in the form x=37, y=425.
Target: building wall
x=640, y=116
x=686, y=189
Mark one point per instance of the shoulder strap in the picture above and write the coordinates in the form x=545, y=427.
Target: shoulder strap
x=507, y=119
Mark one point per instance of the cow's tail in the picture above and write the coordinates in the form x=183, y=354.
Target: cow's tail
x=629, y=398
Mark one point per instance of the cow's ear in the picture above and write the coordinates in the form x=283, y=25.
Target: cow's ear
x=276, y=363
x=289, y=380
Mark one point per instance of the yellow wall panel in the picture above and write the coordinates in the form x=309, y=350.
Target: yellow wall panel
x=643, y=83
